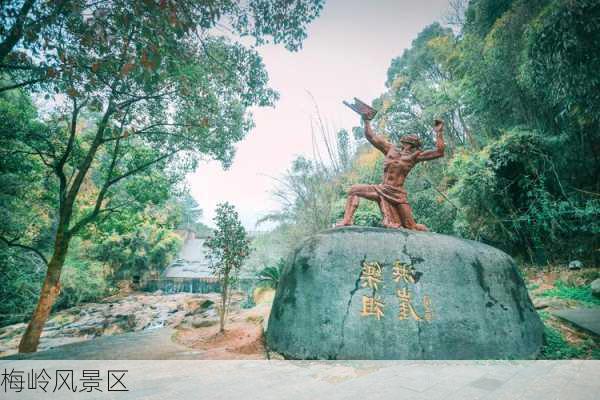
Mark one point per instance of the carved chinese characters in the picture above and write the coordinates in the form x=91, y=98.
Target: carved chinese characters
x=405, y=278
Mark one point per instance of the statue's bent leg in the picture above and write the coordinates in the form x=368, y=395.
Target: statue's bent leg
x=354, y=195
x=391, y=216
x=408, y=221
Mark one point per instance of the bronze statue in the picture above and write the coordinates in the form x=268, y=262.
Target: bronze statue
x=390, y=195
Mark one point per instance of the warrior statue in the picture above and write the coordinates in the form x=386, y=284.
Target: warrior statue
x=390, y=195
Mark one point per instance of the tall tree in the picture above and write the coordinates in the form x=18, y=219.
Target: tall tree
x=228, y=247
x=421, y=88
x=158, y=91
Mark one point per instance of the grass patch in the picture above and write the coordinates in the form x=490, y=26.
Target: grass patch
x=557, y=348
x=582, y=294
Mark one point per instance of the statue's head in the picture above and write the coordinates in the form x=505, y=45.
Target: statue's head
x=410, y=142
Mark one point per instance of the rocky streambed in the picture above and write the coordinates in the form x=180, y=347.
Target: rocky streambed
x=119, y=314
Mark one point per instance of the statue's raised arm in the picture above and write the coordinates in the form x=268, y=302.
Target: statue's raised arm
x=439, y=144
x=368, y=113
x=378, y=141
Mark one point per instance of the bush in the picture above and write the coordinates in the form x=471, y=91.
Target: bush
x=269, y=276
x=82, y=280
x=510, y=195
x=136, y=250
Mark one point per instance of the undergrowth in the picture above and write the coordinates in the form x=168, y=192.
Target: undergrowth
x=556, y=347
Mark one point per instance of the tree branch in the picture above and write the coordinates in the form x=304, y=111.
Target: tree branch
x=13, y=243
x=18, y=85
x=59, y=166
x=142, y=167
x=19, y=67
x=87, y=161
x=110, y=182
x=135, y=99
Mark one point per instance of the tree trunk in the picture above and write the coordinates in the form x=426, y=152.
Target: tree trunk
x=49, y=293
x=224, y=295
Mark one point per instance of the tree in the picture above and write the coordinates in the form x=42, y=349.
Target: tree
x=23, y=24
x=32, y=32
x=228, y=247
x=138, y=86
x=518, y=88
x=421, y=88
x=191, y=213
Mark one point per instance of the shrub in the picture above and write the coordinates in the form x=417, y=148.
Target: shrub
x=269, y=276
x=22, y=275
x=510, y=195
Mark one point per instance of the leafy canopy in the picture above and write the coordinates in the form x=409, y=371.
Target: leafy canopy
x=229, y=244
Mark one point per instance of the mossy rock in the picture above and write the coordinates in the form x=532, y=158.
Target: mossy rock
x=466, y=299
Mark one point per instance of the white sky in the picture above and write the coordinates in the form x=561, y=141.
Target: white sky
x=346, y=54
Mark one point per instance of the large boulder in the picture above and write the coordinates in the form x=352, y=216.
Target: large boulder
x=371, y=293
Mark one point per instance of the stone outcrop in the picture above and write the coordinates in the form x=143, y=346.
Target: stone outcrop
x=116, y=315
x=596, y=287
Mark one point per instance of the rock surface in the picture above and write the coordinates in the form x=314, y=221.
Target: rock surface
x=596, y=287
x=587, y=319
x=116, y=315
x=466, y=300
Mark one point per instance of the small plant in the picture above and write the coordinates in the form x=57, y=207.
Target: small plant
x=248, y=302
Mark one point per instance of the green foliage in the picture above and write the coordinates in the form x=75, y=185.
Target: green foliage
x=307, y=193
x=510, y=194
x=367, y=214
x=26, y=190
x=191, y=213
x=82, y=280
x=57, y=38
x=563, y=42
x=229, y=244
x=519, y=93
x=520, y=191
x=420, y=89
x=248, y=301
x=21, y=274
x=582, y=294
x=137, y=244
x=482, y=14
x=268, y=248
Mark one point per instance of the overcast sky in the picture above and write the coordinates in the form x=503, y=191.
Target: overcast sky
x=346, y=54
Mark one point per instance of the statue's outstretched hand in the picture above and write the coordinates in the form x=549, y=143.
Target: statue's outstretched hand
x=363, y=109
